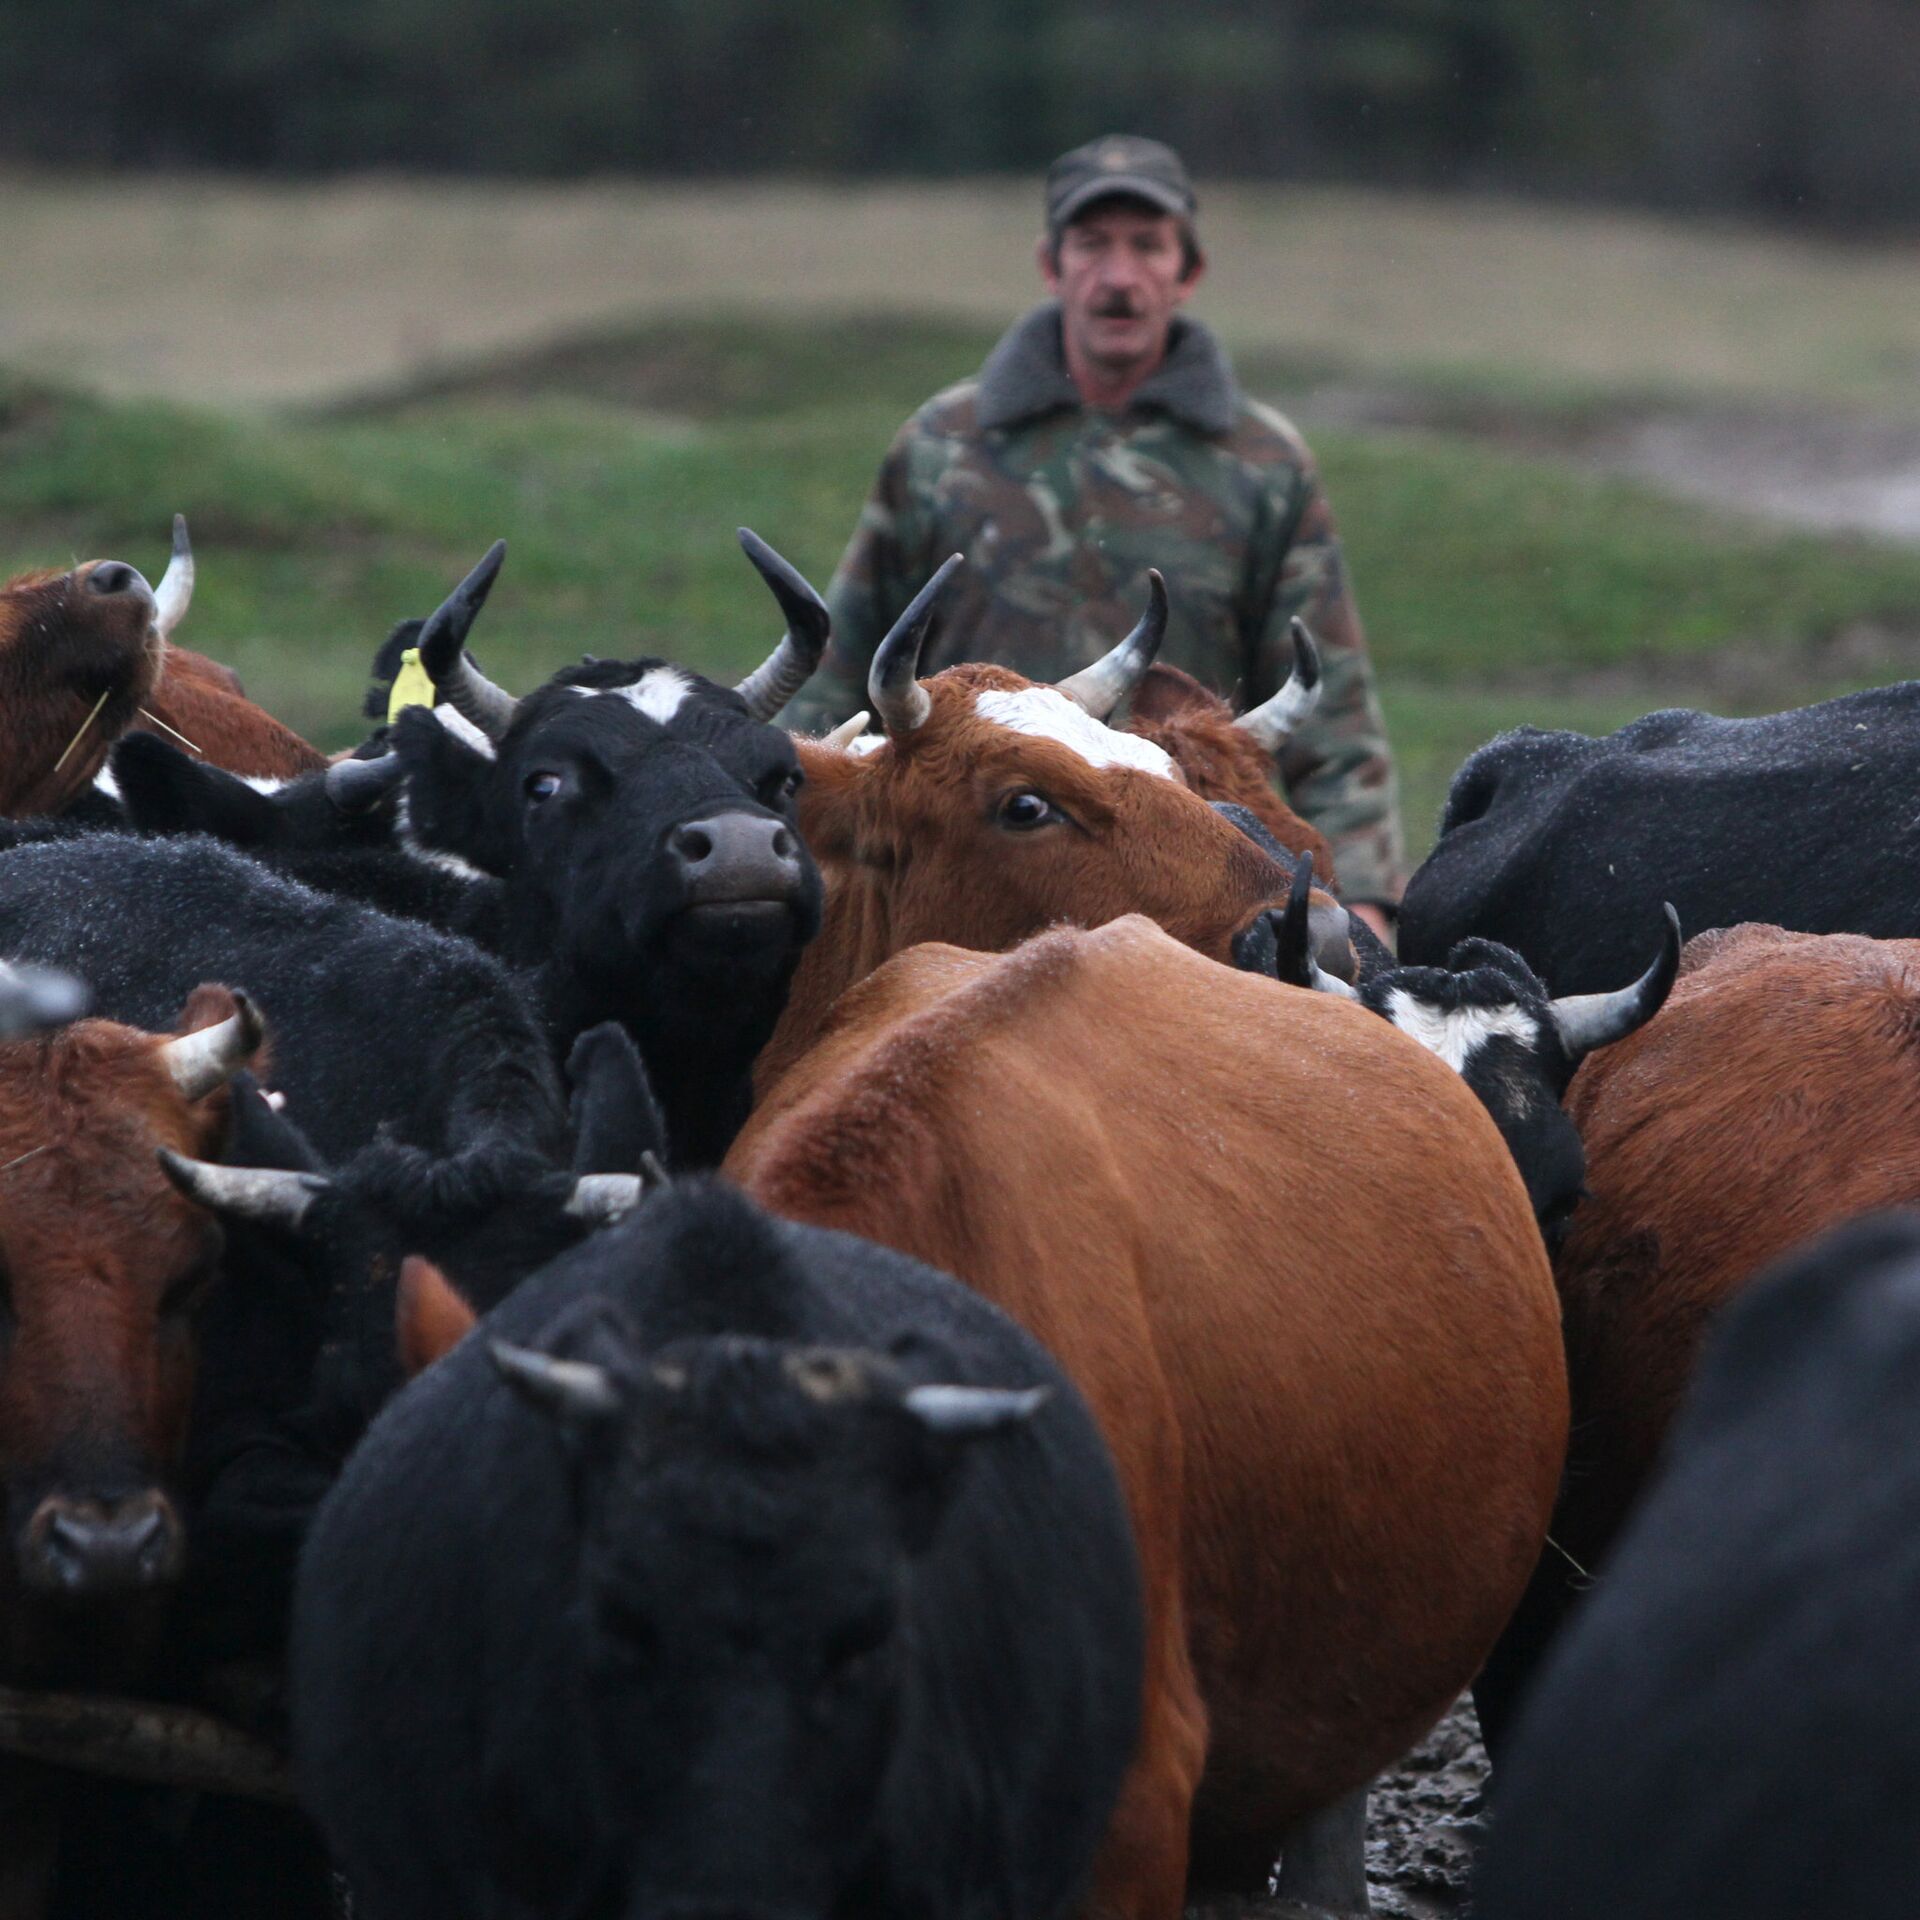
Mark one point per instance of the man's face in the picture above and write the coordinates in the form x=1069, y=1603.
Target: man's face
x=1118, y=278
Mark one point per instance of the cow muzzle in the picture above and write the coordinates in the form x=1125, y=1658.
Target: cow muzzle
x=734, y=862
x=77, y=1549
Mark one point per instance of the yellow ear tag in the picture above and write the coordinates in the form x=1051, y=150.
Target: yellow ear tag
x=411, y=686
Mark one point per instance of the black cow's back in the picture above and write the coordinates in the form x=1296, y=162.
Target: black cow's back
x=1562, y=846
x=438, y=1691
x=372, y=1021
x=1731, y=1728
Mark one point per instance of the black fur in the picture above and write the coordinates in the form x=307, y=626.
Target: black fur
x=736, y=1649
x=1730, y=1730
x=1560, y=845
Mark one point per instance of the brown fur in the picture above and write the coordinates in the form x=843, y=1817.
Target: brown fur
x=1286, y=1256
x=430, y=1316
x=60, y=649
x=909, y=849
x=1776, y=1094
x=203, y=701
x=1195, y=728
x=101, y=1256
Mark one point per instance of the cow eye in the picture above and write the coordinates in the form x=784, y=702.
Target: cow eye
x=188, y=1294
x=542, y=786
x=1022, y=812
x=779, y=786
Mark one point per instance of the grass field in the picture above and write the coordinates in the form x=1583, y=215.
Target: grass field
x=617, y=454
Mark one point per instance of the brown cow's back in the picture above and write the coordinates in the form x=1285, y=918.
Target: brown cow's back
x=1775, y=1095
x=202, y=702
x=1285, y=1254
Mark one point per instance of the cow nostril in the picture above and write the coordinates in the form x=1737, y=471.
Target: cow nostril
x=693, y=845
x=783, y=843
x=81, y=1547
x=111, y=576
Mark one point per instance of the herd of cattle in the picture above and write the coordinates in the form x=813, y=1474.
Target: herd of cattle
x=708, y=1325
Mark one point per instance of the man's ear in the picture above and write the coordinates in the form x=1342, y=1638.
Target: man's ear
x=1194, y=274
x=1046, y=257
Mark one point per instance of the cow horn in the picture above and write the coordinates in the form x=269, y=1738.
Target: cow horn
x=959, y=1411
x=358, y=786
x=209, y=1058
x=1274, y=721
x=573, y=1389
x=1589, y=1020
x=33, y=999
x=847, y=732
x=893, y=681
x=788, y=668
x=1101, y=687
x=443, y=650
x=173, y=595
x=267, y=1196
x=602, y=1198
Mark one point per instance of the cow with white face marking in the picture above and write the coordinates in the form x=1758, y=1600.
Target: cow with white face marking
x=1488, y=1016
x=623, y=835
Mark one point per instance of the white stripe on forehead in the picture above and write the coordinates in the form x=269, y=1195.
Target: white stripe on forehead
x=1048, y=714
x=659, y=693
x=1456, y=1036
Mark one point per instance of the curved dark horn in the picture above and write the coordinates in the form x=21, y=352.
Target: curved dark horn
x=358, y=786
x=443, y=642
x=32, y=999
x=1589, y=1020
x=573, y=1389
x=174, y=594
x=1275, y=720
x=1101, y=687
x=787, y=669
x=960, y=1411
x=209, y=1058
x=268, y=1196
x=893, y=681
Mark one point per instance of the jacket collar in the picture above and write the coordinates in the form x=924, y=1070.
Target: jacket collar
x=1026, y=375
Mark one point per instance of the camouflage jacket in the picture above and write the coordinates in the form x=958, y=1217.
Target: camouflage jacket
x=1060, y=510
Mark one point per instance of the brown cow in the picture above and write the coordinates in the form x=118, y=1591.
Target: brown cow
x=84, y=657
x=1775, y=1095
x=79, y=654
x=992, y=808
x=1284, y=1253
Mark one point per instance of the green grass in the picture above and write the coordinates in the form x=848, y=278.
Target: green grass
x=618, y=468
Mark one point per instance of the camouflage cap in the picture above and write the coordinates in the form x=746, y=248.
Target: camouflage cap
x=1118, y=164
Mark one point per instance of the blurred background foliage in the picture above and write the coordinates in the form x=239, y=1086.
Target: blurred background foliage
x=1788, y=108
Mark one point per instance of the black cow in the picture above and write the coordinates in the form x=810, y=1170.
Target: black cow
x=1554, y=843
x=373, y=1021
x=623, y=835
x=1730, y=1730
x=739, y=1570
x=1487, y=1015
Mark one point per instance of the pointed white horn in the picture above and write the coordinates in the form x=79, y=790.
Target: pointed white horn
x=267, y=1196
x=1101, y=687
x=1589, y=1020
x=174, y=594
x=1274, y=721
x=847, y=732
x=572, y=1389
x=201, y=1061
x=602, y=1198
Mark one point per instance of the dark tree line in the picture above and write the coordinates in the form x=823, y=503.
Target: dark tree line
x=1795, y=107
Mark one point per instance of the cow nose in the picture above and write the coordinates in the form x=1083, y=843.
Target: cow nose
x=736, y=856
x=115, y=576
x=83, y=1547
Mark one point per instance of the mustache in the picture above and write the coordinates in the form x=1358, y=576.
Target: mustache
x=1116, y=306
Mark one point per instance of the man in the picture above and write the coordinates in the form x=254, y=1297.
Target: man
x=1106, y=435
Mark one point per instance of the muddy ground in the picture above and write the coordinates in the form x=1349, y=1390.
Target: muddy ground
x=1423, y=1822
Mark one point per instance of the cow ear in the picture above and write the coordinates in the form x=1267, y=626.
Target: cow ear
x=616, y=1120
x=430, y=1316
x=453, y=790
x=164, y=791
